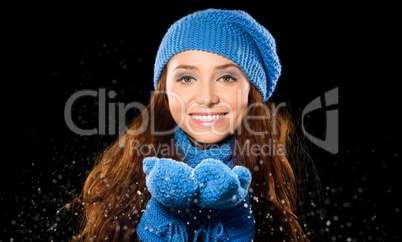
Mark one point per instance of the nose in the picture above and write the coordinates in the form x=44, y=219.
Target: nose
x=207, y=95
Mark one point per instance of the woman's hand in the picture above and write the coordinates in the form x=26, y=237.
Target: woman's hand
x=169, y=181
x=219, y=186
x=211, y=184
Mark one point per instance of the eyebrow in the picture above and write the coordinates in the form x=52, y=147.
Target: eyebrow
x=221, y=67
x=187, y=67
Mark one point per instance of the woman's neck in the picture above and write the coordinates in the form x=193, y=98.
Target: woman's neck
x=193, y=152
x=205, y=146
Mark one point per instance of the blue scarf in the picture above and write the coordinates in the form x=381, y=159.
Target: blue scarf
x=193, y=156
x=161, y=223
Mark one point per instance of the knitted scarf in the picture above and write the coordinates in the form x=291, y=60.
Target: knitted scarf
x=161, y=223
x=193, y=156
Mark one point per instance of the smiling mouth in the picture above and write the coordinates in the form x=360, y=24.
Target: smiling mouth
x=207, y=117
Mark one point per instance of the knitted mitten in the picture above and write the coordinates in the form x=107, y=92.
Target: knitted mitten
x=158, y=224
x=170, y=182
x=219, y=186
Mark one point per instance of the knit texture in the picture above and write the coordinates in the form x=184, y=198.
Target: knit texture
x=206, y=199
x=170, y=182
x=194, y=156
x=159, y=225
x=233, y=34
x=219, y=186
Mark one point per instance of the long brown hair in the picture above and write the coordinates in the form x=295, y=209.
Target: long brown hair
x=273, y=191
x=114, y=195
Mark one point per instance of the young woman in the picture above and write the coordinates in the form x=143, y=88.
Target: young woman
x=210, y=158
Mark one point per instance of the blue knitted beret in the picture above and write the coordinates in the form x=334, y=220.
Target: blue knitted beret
x=233, y=34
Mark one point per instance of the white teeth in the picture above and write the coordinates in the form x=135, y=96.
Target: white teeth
x=207, y=117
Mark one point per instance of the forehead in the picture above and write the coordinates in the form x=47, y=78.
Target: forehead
x=198, y=58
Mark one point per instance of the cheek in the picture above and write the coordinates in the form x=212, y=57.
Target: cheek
x=175, y=108
x=244, y=98
x=239, y=102
x=243, y=106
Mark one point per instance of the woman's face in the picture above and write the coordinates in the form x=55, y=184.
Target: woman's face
x=208, y=94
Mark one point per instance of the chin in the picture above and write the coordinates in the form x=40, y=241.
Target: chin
x=207, y=135
x=210, y=139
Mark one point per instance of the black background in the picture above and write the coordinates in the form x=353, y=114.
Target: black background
x=51, y=52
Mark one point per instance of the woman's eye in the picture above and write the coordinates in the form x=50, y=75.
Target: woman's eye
x=227, y=78
x=186, y=79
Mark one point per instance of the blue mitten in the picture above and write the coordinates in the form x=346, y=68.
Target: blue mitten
x=219, y=186
x=170, y=182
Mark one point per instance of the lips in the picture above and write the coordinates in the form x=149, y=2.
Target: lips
x=206, y=113
x=207, y=119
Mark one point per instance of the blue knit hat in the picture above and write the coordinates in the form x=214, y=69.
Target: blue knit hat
x=233, y=34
